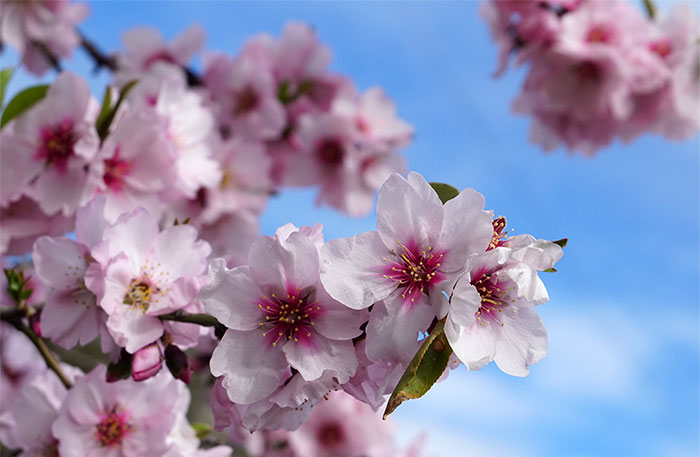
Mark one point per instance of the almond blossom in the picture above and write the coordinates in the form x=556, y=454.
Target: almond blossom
x=149, y=272
x=419, y=249
x=500, y=290
x=278, y=316
x=47, y=153
x=38, y=28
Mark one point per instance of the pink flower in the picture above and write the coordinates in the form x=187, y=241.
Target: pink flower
x=145, y=46
x=298, y=56
x=49, y=150
x=134, y=165
x=245, y=93
x=124, y=418
x=343, y=427
x=148, y=272
x=26, y=424
x=23, y=222
x=20, y=362
x=50, y=23
x=71, y=315
x=500, y=291
x=278, y=316
x=421, y=248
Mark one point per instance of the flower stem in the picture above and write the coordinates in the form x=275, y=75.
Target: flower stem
x=205, y=320
x=40, y=344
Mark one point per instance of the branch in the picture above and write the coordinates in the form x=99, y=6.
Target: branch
x=205, y=320
x=101, y=59
x=40, y=344
x=650, y=8
x=46, y=52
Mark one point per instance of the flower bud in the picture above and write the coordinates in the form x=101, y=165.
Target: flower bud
x=146, y=362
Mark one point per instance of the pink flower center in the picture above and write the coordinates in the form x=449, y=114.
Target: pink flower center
x=588, y=71
x=661, y=47
x=113, y=428
x=160, y=56
x=499, y=238
x=598, y=34
x=57, y=144
x=330, y=435
x=493, y=297
x=330, y=152
x=116, y=170
x=291, y=318
x=141, y=293
x=246, y=101
x=414, y=270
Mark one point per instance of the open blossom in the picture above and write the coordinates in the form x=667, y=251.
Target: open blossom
x=244, y=92
x=419, y=249
x=48, y=152
x=148, y=272
x=134, y=165
x=124, y=418
x=23, y=222
x=144, y=46
x=29, y=25
x=26, y=424
x=71, y=315
x=278, y=316
x=500, y=290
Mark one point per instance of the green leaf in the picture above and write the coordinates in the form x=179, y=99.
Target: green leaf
x=562, y=243
x=22, y=101
x=103, y=127
x=201, y=429
x=444, y=191
x=424, y=370
x=550, y=270
x=5, y=76
x=106, y=107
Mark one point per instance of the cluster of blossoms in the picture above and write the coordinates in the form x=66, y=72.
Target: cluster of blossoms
x=208, y=149
x=140, y=215
x=306, y=318
x=600, y=71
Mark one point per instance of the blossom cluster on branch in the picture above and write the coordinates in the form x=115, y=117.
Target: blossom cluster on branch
x=130, y=226
x=600, y=71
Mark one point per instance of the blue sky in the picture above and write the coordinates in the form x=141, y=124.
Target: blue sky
x=622, y=374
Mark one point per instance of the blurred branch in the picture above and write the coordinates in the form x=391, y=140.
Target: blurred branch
x=46, y=52
x=101, y=59
x=650, y=8
x=205, y=320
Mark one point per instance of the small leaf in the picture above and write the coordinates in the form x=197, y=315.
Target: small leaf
x=106, y=107
x=550, y=270
x=562, y=243
x=424, y=370
x=444, y=191
x=103, y=127
x=201, y=429
x=22, y=102
x=5, y=76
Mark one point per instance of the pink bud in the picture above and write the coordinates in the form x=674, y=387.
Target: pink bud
x=34, y=323
x=146, y=362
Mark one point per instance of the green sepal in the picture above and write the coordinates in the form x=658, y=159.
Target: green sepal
x=21, y=102
x=201, y=429
x=424, y=370
x=444, y=191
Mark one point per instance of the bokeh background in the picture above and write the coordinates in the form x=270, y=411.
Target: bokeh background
x=622, y=374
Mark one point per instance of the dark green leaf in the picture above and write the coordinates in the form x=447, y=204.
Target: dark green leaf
x=444, y=191
x=550, y=270
x=106, y=107
x=5, y=76
x=22, y=102
x=424, y=370
x=562, y=243
x=103, y=127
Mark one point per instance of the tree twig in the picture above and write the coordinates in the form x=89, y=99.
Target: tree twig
x=650, y=8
